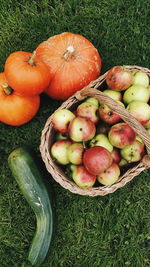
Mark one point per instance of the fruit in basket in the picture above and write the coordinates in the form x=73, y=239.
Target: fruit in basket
x=92, y=100
x=109, y=176
x=16, y=110
x=136, y=92
x=82, y=177
x=73, y=63
x=75, y=153
x=101, y=140
x=133, y=152
x=140, y=110
x=116, y=155
x=116, y=95
x=141, y=78
x=88, y=110
x=97, y=159
x=61, y=119
x=26, y=74
x=59, y=151
x=81, y=129
x=108, y=115
x=121, y=135
x=119, y=78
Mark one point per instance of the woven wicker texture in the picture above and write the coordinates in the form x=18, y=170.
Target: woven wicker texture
x=93, y=89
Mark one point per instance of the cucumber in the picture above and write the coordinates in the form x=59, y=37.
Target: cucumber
x=30, y=181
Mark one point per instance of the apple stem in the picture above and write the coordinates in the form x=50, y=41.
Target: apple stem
x=7, y=90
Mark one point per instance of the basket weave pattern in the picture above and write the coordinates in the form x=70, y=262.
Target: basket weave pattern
x=48, y=132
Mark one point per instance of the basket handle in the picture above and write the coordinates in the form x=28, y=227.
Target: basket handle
x=124, y=114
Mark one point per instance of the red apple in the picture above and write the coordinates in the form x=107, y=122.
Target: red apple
x=121, y=135
x=109, y=176
x=97, y=159
x=108, y=115
x=82, y=177
x=61, y=119
x=133, y=152
x=59, y=151
x=81, y=129
x=88, y=110
x=75, y=153
x=116, y=155
x=140, y=110
x=119, y=78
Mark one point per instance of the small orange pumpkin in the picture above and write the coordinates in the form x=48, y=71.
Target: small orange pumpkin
x=73, y=62
x=16, y=110
x=25, y=74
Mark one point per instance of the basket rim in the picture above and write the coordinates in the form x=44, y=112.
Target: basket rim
x=56, y=172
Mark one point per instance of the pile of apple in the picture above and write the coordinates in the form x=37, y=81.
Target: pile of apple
x=92, y=141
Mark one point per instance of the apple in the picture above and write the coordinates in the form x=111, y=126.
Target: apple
x=123, y=162
x=88, y=110
x=61, y=119
x=116, y=156
x=75, y=153
x=133, y=152
x=81, y=129
x=140, y=110
x=116, y=95
x=136, y=92
x=59, y=151
x=121, y=135
x=109, y=176
x=119, y=78
x=97, y=159
x=92, y=100
x=82, y=177
x=108, y=115
x=141, y=78
x=101, y=140
x=139, y=139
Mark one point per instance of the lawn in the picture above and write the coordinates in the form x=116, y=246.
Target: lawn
x=108, y=231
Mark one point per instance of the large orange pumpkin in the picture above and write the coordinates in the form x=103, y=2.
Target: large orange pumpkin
x=73, y=62
x=16, y=110
x=25, y=74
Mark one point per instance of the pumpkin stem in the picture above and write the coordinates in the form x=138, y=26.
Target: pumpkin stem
x=69, y=53
x=7, y=90
x=31, y=59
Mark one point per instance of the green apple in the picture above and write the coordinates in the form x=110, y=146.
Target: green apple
x=101, y=140
x=93, y=101
x=59, y=151
x=133, y=152
x=140, y=110
x=136, y=92
x=139, y=139
x=75, y=153
x=116, y=95
x=141, y=78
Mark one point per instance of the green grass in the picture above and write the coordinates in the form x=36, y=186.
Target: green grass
x=109, y=231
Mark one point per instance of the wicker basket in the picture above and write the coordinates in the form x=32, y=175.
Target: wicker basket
x=48, y=134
